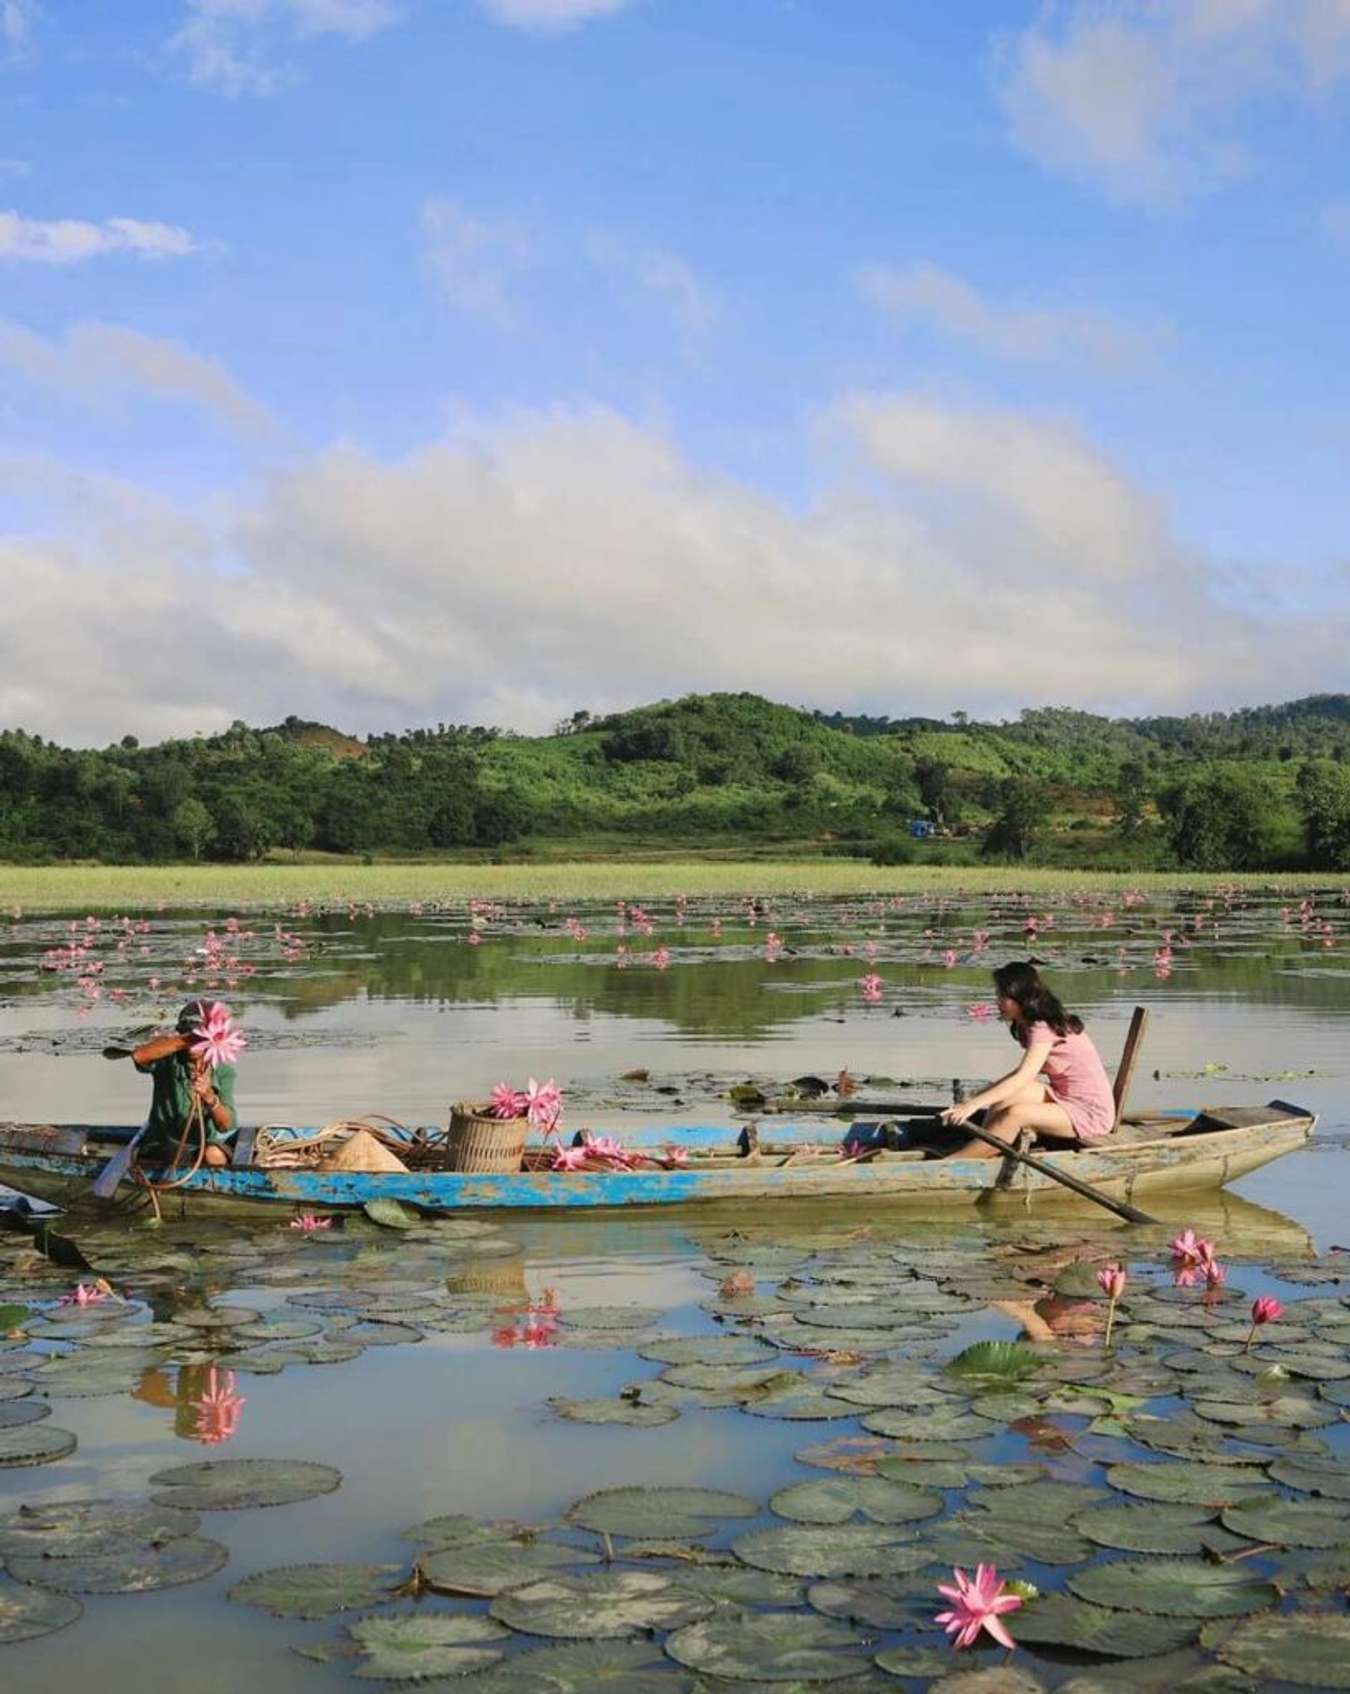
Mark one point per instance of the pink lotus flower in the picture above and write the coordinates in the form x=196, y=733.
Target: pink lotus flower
x=570, y=1158
x=308, y=1222
x=217, y=1408
x=219, y=1040
x=508, y=1102
x=1215, y=1274
x=676, y=1155
x=1191, y=1254
x=1111, y=1279
x=980, y=1010
x=608, y=1148
x=977, y=1605
x=871, y=987
x=474, y=938
x=86, y=1294
x=1265, y=1309
x=543, y=1105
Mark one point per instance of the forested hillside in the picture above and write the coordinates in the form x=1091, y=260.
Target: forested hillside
x=1265, y=787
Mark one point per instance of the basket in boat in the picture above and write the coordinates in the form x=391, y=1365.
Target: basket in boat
x=478, y=1141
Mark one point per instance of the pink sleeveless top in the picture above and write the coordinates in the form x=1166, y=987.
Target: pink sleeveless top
x=1077, y=1078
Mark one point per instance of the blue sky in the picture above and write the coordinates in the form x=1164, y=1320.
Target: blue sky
x=484, y=359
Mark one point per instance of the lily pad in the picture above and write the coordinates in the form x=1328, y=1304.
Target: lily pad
x=1309, y=1649
x=218, y=1485
x=834, y=1500
x=918, y=1662
x=1287, y=1411
x=73, y=1528
x=706, y=1350
x=741, y=1587
x=886, y=1602
x=454, y=1529
x=79, y=1376
x=14, y=1414
x=632, y=1412
x=608, y=1317
x=1155, y=1528
x=605, y=1603
x=1062, y=1621
x=1329, y=1477
x=855, y=1455
x=767, y=1647
x=956, y=1425
x=854, y=1549
x=988, y=1362
x=1004, y=1540
x=1291, y=1523
x=422, y=1644
x=34, y=1444
x=133, y=1567
x=896, y=1385
x=26, y=1613
x=215, y=1317
x=489, y=1567
x=804, y=1404
x=391, y=1214
x=674, y=1513
x=1183, y=1588
x=315, y=1591
x=997, y=1679
x=1189, y=1484
x=583, y=1667
x=1039, y=1502
x=278, y=1329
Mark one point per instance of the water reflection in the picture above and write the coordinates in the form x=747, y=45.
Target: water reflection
x=202, y=1397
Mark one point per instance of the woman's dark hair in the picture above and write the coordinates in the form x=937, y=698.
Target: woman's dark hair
x=1022, y=982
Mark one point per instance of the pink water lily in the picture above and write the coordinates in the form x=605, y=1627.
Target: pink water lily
x=979, y=1604
x=676, y=1155
x=217, y=1408
x=86, y=1294
x=308, y=1222
x=507, y=1102
x=543, y=1105
x=1111, y=1279
x=1265, y=1309
x=570, y=1158
x=218, y=1039
x=608, y=1149
x=1191, y=1255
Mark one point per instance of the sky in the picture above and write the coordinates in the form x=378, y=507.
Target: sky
x=395, y=362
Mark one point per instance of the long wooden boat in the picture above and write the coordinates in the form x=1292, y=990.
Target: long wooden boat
x=1150, y=1156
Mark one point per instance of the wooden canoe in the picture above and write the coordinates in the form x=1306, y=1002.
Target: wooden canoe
x=1150, y=1156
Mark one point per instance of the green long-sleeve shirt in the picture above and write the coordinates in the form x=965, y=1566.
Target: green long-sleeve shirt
x=171, y=1100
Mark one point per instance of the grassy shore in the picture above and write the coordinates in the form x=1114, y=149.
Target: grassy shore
x=227, y=887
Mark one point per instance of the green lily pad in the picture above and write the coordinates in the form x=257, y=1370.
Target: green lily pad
x=215, y=1317
x=834, y=1500
x=767, y=1647
x=854, y=1455
x=1285, y=1411
x=1328, y=1477
x=1039, y=1502
x=1003, y=1539
x=1189, y=1484
x=1060, y=1620
x=1154, y=1528
x=955, y=1425
x=632, y=1412
x=489, y=1567
x=14, y=1388
x=583, y=1667
x=854, y=1549
x=34, y=1444
x=26, y=1613
x=1187, y=1671
x=918, y=1662
x=989, y=1362
x=997, y=1679
x=1184, y=1588
x=73, y=1528
x=608, y=1317
x=391, y=1214
x=1311, y=1649
x=886, y=1602
x=278, y=1329
x=732, y=1379
x=14, y=1414
x=218, y=1485
x=674, y=1513
x=740, y=1587
x=1291, y=1523
x=315, y=1591
x=796, y=1404
x=604, y=1603
x=896, y=1385
x=378, y=1332
x=706, y=1350
x=80, y=1376
x=422, y=1644
x=456, y=1530
x=133, y=1567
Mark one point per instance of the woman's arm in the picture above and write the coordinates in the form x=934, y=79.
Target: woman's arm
x=1006, y=1088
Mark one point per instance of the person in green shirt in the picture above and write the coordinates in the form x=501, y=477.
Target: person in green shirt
x=177, y=1079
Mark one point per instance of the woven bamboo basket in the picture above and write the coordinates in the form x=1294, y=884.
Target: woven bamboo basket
x=480, y=1142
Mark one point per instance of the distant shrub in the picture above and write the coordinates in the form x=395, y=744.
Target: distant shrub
x=893, y=850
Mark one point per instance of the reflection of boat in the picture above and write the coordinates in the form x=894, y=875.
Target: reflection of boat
x=1149, y=1157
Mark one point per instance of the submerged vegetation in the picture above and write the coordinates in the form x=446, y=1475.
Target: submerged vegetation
x=1266, y=788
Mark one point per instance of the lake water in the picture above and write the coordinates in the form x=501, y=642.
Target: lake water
x=353, y=1011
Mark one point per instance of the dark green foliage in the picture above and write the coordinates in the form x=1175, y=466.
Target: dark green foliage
x=1263, y=788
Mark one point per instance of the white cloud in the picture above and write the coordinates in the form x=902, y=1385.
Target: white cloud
x=569, y=559
x=472, y=259
x=70, y=241
x=926, y=293
x=551, y=15
x=662, y=274
x=94, y=359
x=232, y=46
x=1145, y=98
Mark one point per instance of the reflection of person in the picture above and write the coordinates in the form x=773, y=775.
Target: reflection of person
x=1060, y=1091
x=181, y=1084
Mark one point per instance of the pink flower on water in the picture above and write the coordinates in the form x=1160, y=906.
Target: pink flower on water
x=949, y=957
x=474, y=938
x=1111, y=1279
x=977, y=1605
x=871, y=987
x=217, y=1408
x=308, y=1222
x=1215, y=1274
x=661, y=958
x=218, y=1039
x=1265, y=1309
x=980, y=1010
x=508, y=1102
x=86, y=1294
x=1190, y=1256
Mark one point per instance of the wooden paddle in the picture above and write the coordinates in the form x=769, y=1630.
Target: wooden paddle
x=107, y=1181
x=1121, y=1208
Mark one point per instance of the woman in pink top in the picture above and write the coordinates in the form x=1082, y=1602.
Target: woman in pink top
x=1060, y=1091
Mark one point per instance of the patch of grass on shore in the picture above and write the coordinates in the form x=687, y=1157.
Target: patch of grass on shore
x=231, y=887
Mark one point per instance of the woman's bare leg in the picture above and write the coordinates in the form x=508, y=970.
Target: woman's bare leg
x=1032, y=1109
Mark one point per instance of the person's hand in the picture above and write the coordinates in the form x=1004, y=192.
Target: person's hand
x=202, y=1087
x=956, y=1116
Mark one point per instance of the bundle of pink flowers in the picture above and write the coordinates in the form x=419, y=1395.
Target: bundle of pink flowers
x=217, y=1039
x=541, y=1103
x=607, y=1152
